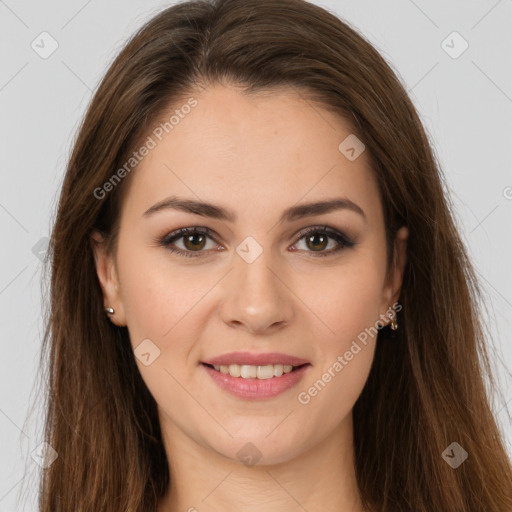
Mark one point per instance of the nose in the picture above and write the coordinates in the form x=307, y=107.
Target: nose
x=256, y=296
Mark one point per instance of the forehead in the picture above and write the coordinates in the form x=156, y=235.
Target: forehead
x=256, y=151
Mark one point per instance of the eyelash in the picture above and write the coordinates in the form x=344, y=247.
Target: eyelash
x=341, y=238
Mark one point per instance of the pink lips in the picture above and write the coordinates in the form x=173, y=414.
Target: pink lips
x=256, y=389
x=255, y=359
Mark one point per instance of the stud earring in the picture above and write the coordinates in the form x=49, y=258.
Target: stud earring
x=109, y=311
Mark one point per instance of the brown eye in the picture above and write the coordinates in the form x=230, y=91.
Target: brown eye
x=317, y=240
x=194, y=242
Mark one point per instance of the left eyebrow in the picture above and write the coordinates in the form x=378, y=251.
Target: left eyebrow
x=205, y=209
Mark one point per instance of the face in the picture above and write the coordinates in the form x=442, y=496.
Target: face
x=255, y=281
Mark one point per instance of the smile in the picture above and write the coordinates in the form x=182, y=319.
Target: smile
x=255, y=382
x=247, y=371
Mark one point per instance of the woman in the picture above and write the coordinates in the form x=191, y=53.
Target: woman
x=259, y=299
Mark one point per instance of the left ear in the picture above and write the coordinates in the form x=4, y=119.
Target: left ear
x=394, y=278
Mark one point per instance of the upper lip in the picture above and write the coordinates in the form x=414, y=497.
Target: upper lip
x=253, y=359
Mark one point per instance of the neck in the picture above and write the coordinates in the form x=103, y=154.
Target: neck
x=318, y=478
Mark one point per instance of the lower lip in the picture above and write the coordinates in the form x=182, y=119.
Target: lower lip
x=256, y=389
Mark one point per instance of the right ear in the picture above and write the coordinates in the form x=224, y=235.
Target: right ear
x=108, y=278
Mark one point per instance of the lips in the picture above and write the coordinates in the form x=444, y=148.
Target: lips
x=256, y=389
x=253, y=359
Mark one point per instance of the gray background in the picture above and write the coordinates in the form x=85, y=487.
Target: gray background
x=465, y=104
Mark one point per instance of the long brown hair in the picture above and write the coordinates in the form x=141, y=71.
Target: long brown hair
x=426, y=388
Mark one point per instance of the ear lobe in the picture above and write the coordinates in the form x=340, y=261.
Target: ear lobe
x=107, y=277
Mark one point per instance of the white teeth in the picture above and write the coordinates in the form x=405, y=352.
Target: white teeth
x=234, y=370
x=265, y=372
x=278, y=370
x=246, y=371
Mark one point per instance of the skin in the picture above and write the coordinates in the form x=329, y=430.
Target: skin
x=257, y=156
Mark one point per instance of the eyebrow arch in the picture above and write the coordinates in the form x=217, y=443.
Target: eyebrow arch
x=218, y=212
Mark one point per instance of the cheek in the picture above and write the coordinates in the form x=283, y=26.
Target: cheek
x=162, y=304
x=157, y=297
x=349, y=306
x=347, y=299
